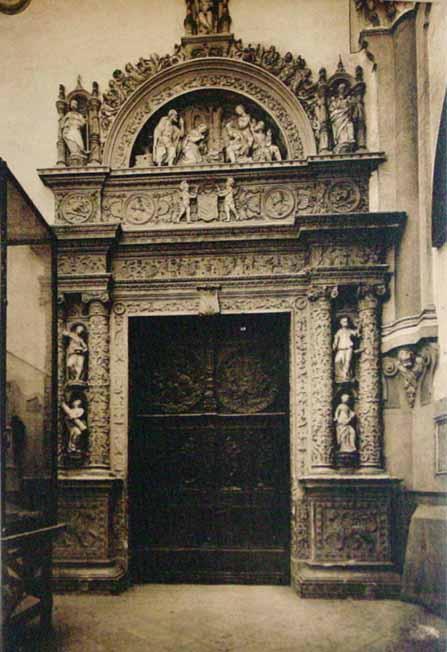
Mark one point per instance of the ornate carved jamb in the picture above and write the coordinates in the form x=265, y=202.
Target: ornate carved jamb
x=322, y=376
x=99, y=377
x=370, y=387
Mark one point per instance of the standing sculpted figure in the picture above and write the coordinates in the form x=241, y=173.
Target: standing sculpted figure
x=341, y=117
x=344, y=418
x=205, y=17
x=228, y=196
x=75, y=423
x=168, y=136
x=76, y=353
x=194, y=145
x=240, y=136
x=343, y=346
x=185, y=201
x=71, y=126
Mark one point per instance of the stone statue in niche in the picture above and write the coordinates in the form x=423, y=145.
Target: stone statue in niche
x=185, y=201
x=76, y=353
x=228, y=196
x=72, y=124
x=76, y=424
x=194, y=146
x=345, y=418
x=344, y=344
x=341, y=114
x=168, y=136
x=207, y=17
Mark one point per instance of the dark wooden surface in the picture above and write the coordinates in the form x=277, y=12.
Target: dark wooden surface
x=209, y=466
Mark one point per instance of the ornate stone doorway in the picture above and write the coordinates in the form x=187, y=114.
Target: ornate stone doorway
x=209, y=472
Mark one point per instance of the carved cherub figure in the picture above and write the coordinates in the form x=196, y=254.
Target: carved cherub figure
x=76, y=353
x=76, y=424
x=343, y=346
x=185, y=201
x=228, y=196
x=344, y=418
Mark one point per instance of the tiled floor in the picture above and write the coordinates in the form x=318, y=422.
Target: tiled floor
x=167, y=618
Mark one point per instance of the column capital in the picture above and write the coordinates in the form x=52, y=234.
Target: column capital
x=371, y=291
x=316, y=292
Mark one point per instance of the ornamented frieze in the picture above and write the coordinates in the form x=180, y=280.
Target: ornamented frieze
x=201, y=203
x=355, y=254
x=76, y=264
x=229, y=266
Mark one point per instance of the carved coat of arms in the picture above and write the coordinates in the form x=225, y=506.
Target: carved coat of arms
x=207, y=203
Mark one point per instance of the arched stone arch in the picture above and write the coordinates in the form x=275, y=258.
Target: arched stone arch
x=224, y=74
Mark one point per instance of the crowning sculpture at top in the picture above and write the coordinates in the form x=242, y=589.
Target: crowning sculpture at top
x=334, y=105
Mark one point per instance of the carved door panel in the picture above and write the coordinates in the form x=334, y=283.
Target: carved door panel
x=209, y=466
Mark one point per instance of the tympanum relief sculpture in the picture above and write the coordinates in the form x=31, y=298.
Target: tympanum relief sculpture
x=235, y=138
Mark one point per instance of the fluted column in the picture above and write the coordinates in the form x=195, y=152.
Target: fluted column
x=322, y=383
x=99, y=381
x=370, y=387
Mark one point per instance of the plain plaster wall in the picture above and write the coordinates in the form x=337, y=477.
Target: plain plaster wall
x=55, y=40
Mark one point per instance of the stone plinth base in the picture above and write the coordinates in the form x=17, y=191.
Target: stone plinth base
x=85, y=555
x=346, y=542
x=343, y=583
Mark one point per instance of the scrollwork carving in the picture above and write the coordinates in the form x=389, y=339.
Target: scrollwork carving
x=168, y=267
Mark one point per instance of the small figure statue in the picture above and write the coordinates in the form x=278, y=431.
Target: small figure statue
x=205, y=17
x=194, y=145
x=185, y=204
x=344, y=342
x=224, y=24
x=228, y=196
x=344, y=418
x=341, y=117
x=168, y=136
x=71, y=128
x=76, y=424
x=76, y=354
x=240, y=134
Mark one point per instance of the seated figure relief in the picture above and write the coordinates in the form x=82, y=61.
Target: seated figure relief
x=239, y=137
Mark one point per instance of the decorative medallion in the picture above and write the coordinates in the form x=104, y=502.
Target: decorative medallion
x=179, y=382
x=140, y=209
x=77, y=208
x=279, y=202
x=343, y=196
x=243, y=382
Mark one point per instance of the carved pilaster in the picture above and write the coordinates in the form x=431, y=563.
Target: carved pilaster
x=61, y=106
x=370, y=389
x=94, y=104
x=61, y=310
x=99, y=378
x=322, y=421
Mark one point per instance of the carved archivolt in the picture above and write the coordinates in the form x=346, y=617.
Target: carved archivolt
x=221, y=74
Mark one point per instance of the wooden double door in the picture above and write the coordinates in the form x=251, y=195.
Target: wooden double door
x=209, y=449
